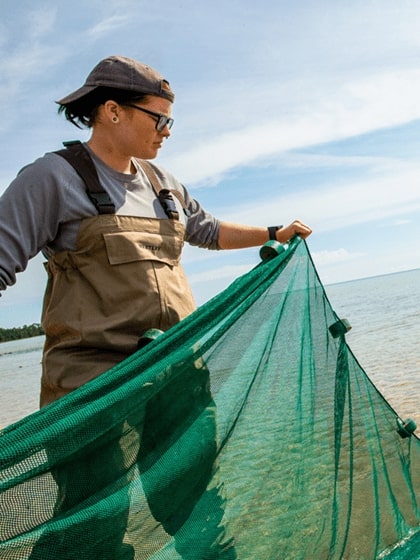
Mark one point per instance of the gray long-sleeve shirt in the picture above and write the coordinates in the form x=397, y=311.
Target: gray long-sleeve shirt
x=42, y=209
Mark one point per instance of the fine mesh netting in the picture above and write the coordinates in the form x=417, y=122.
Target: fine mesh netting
x=245, y=432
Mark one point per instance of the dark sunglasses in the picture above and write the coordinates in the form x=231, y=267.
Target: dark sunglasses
x=162, y=120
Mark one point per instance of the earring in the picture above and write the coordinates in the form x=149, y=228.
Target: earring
x=115, y=119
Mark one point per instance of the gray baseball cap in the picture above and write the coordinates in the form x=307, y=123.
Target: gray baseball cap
x=124, y=73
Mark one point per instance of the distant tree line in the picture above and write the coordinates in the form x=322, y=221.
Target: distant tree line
x=15, y=333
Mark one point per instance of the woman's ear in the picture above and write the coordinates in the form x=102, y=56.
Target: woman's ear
x=111, y=111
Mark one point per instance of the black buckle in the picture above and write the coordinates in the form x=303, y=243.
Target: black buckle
x=102, y=202
x=168, y=204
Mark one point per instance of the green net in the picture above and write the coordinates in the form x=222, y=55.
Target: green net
x=246, y=432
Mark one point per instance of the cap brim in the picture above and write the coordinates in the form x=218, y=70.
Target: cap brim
x=78, y=94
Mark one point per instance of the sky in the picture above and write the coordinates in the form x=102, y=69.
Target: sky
x=283, y=110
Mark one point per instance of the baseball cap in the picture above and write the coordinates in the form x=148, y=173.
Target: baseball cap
x=124, y=73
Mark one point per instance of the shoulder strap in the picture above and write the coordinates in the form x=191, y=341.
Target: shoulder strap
x=77, y=155
x=164, y=195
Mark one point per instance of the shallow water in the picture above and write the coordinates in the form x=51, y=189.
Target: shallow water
x=20, y=372
x=385, y=337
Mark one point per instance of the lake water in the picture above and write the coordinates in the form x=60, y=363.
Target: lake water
x=384, y=312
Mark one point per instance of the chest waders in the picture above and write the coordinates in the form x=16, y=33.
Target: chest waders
x=123, y=278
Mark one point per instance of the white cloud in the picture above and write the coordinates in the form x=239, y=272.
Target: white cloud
x=331, y=111
x=108, y=25
x=224, y=272
x=322, y=258
x=40, y=22
x=401, y=222
x=29, y=58
x=365, y=265
x=331, y=208
x=319, y=161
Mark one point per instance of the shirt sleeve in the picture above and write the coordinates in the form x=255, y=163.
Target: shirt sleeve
x=202, y=227
x=31, y=210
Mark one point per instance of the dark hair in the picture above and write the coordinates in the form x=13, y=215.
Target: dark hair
x=83, y=111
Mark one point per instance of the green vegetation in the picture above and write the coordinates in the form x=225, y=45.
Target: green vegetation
x=17, y=333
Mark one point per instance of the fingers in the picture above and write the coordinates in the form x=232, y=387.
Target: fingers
x=295, y=228
x=302, y=229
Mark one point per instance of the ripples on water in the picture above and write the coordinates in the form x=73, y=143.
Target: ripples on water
x=384, y=313
x=385, y=316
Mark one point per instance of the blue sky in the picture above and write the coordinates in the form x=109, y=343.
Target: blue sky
x=283, y=110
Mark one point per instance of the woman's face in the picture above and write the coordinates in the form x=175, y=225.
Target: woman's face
x=136, y=132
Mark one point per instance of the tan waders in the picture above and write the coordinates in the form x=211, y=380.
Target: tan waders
x=124, y=277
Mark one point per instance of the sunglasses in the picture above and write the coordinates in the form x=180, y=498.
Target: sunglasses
x=162, y=120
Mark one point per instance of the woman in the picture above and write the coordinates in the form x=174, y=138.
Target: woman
x=112, y=276
x=113, y=251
